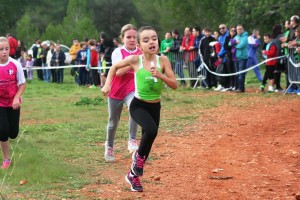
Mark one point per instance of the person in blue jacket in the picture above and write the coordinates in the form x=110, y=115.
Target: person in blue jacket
x=241, y=40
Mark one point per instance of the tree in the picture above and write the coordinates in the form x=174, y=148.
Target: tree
x=77, y=23
x=110, y=16
x=27, y=31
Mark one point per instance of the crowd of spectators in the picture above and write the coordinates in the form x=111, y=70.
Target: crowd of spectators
x=228, y=50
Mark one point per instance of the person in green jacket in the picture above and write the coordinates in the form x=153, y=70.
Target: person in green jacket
x=165, y=45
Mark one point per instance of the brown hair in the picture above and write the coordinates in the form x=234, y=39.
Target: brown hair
x=126, y=28
x=144, y=28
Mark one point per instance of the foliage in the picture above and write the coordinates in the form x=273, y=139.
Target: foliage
x=64, y=19
x=110, y=16
x=261, y=14
x=28, y=33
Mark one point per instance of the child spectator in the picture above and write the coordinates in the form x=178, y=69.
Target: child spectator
x=81, y=60
x=94, y=63
x=12, y=86
x=270, y=52
x=29, y=64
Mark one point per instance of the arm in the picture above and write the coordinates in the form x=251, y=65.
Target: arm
x=169, y=77
x=243, y=43
x=271, y=52
x=16, y=101
x=128, y=61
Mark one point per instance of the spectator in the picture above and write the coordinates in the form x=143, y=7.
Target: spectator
x=116, y=43
x=222, y=56
x=205, y=50
x=187, y=46
x=22, y=59
x=176, y=62
x=73, y=50
x=276, y=39
x=36, y=51
x=81, y=60
x=13, y=44
x=291, y=40
x=29, y=65
x=46, y=72
x=166, y=45
x=198, y=36
x=94, y=63
x=21, y=48
x=230, y=58
x=241, y=40
x=270, y=52
x=253, y=45
x=49, y=63
x=59, y=58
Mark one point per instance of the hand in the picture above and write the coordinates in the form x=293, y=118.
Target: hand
x=237, y=41
x=258, y=37
x=263, y=51
x=283, y=39
x=105, y=90
x=155, y=73
x=16, y=103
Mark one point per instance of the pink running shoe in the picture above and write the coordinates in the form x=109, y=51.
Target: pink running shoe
x=5, y=164
x=132, y=145
x=134, y=182
x=138, y=162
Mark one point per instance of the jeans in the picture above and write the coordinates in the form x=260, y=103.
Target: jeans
x=178, y=68
x=46, y=73
x=60, y=76
x=241, y=65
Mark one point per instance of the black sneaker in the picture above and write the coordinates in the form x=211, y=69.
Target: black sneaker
x=138, y=162
x=134, y=182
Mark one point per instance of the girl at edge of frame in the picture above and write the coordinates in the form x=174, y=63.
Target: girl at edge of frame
x=150, y=72
x=12, y=86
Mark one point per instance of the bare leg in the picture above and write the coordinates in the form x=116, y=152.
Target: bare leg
x=5, y=150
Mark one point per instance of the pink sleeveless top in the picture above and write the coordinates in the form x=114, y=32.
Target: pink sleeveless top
x=121, y=86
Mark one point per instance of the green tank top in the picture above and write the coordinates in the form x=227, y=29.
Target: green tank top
x=146, y=86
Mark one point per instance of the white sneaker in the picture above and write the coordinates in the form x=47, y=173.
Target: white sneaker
x=109, y=154
x=219, y=88
x=225, y=89
x=132, y=145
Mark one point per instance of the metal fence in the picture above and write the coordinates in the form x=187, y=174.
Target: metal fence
x=293, y=68
x=187, y=67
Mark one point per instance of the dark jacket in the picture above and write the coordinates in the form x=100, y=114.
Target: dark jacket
x=206, y=49
x=176, y=45
x=61, y=59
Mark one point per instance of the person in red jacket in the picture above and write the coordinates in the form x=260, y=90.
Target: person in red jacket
x=270, y=52
x=13, y=44
x=187, y=46
x=94, y=63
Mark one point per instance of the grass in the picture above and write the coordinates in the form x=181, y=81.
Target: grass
x=62, y=131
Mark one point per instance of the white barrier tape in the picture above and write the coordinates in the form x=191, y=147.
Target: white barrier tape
x=243, y=71
x=294, y=64
x=63, y=67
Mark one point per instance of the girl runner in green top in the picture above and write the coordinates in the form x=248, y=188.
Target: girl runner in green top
x=150, y=72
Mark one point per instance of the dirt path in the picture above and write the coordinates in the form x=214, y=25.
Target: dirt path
x=232, y=152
